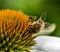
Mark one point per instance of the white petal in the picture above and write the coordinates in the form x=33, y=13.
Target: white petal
x=48, y=43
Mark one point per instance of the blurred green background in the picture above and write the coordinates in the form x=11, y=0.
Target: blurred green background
x=35, y=7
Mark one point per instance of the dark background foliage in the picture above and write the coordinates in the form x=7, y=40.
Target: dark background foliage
x=35, y=8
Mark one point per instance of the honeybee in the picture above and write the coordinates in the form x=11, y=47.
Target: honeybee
x=37, y=25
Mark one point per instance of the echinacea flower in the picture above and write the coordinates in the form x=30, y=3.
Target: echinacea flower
x=17, y=31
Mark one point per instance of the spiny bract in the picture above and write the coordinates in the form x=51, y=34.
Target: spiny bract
x=14, y=35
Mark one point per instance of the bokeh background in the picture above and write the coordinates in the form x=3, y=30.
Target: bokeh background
x=35, y=8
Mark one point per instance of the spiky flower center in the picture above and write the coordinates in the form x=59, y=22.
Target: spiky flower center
x=14, y=34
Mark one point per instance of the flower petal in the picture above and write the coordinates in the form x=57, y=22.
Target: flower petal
x=48, y=43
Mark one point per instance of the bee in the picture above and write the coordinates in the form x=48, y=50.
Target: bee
x=39, y=24
x=36, y=26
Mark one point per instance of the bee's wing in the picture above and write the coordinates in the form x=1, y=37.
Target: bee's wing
x=34, y=18
x=43, y=16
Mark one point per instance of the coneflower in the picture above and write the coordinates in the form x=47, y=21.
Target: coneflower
x=16, y=31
